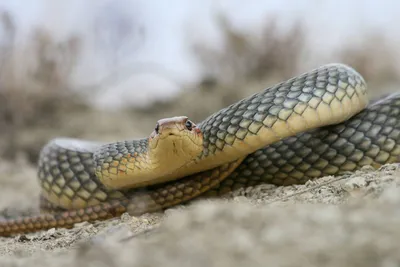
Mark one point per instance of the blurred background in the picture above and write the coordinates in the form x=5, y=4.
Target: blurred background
x=107, y=70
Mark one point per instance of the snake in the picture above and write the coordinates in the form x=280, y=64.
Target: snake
x=315, y=124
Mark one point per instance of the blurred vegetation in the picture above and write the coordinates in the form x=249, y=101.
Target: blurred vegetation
x=246, y=57
x=37, y=102
x=373, y=57
x=34, y=85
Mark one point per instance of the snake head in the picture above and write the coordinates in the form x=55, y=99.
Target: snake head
x=178, y=136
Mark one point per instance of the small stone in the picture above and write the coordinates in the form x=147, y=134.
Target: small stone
x=51, y=231
x=241, y=199
x=354, y=184
x=367, y=168
x=125, y=217
x=78, y=225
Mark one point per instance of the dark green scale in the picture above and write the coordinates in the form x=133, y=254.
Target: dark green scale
x=265, y=108
x=115, y=151
x=69, y=171
x=107, y=154
x=372, y=137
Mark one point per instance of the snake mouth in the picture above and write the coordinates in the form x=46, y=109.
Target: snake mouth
x=170, y=134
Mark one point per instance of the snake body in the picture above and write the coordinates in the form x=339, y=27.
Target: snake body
x=312, y=125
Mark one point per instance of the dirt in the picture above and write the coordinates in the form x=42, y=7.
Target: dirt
x=333, y=221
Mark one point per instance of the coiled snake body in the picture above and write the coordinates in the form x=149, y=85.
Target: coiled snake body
x=316, y=124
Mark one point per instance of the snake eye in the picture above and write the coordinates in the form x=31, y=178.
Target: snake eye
x=189, y=125
x=157, y=128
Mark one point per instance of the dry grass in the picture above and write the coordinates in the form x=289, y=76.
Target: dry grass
x=34, y=92
x=375, y=57
x=247, y=57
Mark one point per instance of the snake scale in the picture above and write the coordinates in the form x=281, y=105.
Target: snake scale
x=315, y=124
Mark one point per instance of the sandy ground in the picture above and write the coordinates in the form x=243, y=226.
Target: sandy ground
x=334, y=221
